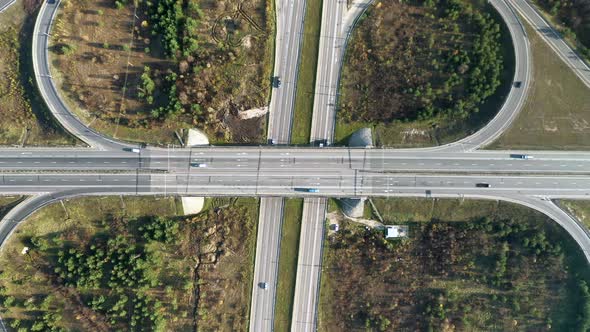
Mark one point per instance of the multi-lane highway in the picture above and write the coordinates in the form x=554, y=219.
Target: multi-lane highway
x=309, y=265
x=264, y=165
x=266, y=264
x=338, y=21
x=289, y=15
x=292, y=171
x=331, y=52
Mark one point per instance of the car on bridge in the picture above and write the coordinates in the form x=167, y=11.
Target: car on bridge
x=308, y=190
x=520, y=156
x=482, y=185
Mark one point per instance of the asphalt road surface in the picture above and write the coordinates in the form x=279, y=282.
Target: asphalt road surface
x=266, y=264
x=553, y=39
x=292, y=172
x=338, y=21
x=331, y=51
x=4, y=4
x=290, y=15
x=288, y=160
x=309, y=265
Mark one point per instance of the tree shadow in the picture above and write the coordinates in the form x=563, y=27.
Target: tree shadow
x=26, y=76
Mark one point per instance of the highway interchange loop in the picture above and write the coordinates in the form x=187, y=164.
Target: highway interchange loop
x=271, y=172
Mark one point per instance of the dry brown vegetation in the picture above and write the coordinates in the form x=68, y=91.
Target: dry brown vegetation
x=423, y=73
x=25, y=119
x=201, y=267
x=514, y=271
x=100, y=59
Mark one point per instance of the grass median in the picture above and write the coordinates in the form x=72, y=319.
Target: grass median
x=307, y=73
x=288, y=264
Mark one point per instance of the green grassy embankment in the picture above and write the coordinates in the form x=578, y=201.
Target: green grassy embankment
x=288, y=263
x=307, y=73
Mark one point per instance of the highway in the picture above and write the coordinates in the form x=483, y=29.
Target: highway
x=331, y=182
x=287, y=160
x=290, y=16
x=331, y=52
x=338, y=21
x=289, y=31
x=309, y=265
x=266, y=264
x=553, y=39
x=451, y=170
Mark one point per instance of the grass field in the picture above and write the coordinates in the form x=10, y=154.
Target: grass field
x=556, y=114
x=302, y=117
x=420, y=210
x=580, y=209
x=25, y=119
x=466, y=266
x=288, y=263
x=201, y=267
x=7, y=202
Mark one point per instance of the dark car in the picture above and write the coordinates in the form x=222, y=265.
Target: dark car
x=482, y=185
x=276, y=82
x=517, y=84
x=520, y=156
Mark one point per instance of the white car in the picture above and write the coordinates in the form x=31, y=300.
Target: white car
x=199, y=165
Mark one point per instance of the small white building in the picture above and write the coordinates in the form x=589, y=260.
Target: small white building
x=396, y=231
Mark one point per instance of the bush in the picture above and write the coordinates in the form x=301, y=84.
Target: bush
x=159, y=229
